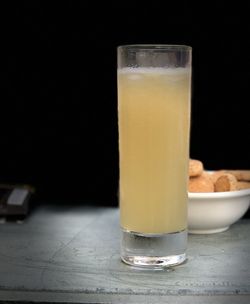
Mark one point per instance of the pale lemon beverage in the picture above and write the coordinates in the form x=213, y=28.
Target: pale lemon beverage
x=154, y=126
x=154, y=111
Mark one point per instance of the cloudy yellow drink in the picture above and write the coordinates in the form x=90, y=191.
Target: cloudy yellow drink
x=154, y=115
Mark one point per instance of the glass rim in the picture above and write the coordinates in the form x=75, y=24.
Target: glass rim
x=159, y=47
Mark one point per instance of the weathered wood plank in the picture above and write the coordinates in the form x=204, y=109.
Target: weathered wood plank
x=72, y=255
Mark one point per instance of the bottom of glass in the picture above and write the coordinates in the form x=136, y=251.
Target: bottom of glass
x=153, y=250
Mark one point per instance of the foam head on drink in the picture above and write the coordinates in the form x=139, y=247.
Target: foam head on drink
x=154, y=115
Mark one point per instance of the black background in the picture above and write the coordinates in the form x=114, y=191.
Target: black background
x=59, y=102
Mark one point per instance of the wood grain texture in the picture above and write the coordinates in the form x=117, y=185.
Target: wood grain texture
x=72, y=255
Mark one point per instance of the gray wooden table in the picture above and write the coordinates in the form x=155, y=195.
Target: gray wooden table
x=72, y=255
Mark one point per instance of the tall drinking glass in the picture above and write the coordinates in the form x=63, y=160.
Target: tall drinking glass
x=154, y=85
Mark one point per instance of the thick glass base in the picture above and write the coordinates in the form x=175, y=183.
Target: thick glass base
x=153, y=250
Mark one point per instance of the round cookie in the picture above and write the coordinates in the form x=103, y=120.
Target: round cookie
x=216, y=174
x=202, y=183
x=226, y=182
x=243, y=185
x=195, y=167
x=241, y=175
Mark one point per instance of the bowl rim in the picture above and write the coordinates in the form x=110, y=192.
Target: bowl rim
x=213, y=195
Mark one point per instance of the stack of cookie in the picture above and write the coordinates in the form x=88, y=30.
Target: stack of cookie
x=217, y=181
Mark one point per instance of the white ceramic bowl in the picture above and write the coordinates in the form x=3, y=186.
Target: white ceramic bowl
x=215, y=212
